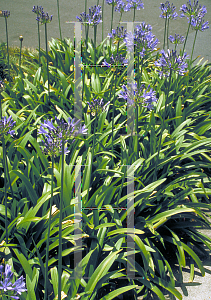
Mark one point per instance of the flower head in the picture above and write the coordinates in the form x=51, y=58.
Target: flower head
x=44, y=18
x=37, y=10
x=142, y=38
x=112, y=2
x=117, y=60
x=197, y=23
x=144, y=96
x=194, y=10
x=9, y=288
x=176, y=39
x=119, y=34
x=136, y=4
x=168, y=11
x=6, y=126
x=55, y=133
x=96, y=106
x=171, y=62
x=5, y=13
x=93, y=18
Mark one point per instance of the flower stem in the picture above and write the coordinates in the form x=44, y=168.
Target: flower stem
x=112, y=16
x=48, y=236
x=95, y=35
x=134, y=14
x=20, y=54
x=60, y=228
x=162, y=126
x=164, y=34
x=46, y=45
x=167, y=35
x=8, y=57
x=60, y=32
x=102, y=18
x=186, y=39
x=193, y=46
x=38, y=29
x=5, y=187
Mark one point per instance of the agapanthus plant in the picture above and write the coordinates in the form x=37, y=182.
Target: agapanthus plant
x=194, y=13
x=198, y=24
x=135, y=4
x=56, y=135
x=171, y=62
x=93, y=18
x=168, y=13
x=7, y=287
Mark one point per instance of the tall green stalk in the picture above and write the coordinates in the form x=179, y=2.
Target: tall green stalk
x=193, y=46
x=93, y=147
x=186, y=39
x=112, y=17
x=167, y=35
x=48, y=236
x=60, y=31
x=95, y=35
x=164, y=34
x=134, y=14
x=8, y=57
x=38, y=31
x=21, y=41
x=162, y=126
x=60, y=227
x=102, y=17
x=46, y=46
x=5, y=188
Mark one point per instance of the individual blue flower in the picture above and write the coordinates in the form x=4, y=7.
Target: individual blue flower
x=19, y=286
x=5, y=13
x=194, y=9
x=168, y=11
x=171, y=62
x=176, y=39
x=128, y=94
x=96, y=106
x=44, y=18
x=136, y=4
x=6, y=126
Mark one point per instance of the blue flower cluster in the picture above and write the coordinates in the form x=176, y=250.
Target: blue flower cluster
x=7, y=287
x=44, y=18
x=37, y=10
x=118, y=34
x=171, y=62
x=195, y=13
x=58, y=132
x=177, y=39
x=5, y=13
x=117, y=60
x=145, y=96
x=143, y=39
x=6, y=126
x=93, y=18
x=168, y=11
x=96, y=106
x=121, y=6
